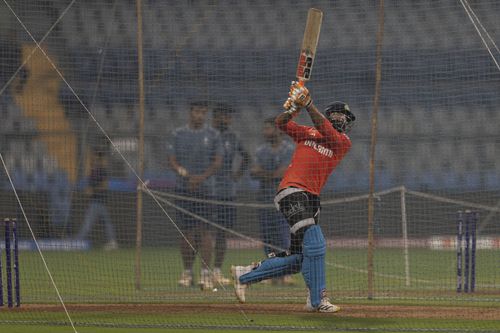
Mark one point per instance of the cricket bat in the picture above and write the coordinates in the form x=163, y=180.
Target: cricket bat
x=309, y=44
x=308, y=48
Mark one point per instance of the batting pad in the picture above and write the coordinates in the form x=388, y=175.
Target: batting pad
x=313, y=264
x=273, y=268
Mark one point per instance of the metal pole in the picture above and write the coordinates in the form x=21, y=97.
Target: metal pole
x=17, y=278
x=1, y=278
x=8, y=263
x=140, y=152
x=468, y=218
x=371, y=209
x=404, y=223
x=475, y=221
x=460, y=225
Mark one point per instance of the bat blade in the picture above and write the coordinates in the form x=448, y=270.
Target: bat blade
x=309, y=44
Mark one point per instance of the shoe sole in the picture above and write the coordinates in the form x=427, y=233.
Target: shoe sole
x=233, y=277
x=204, y=287
x=222, y=281
x=334, y=310
x=310, y=309
x=186, y=285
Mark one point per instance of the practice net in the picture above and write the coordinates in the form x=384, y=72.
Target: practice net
x=102, y=132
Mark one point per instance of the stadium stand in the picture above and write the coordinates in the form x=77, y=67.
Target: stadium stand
x=413, y=116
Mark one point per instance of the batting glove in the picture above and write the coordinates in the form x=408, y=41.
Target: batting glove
x=288, y=104
x=182, y=171
x=299, y=95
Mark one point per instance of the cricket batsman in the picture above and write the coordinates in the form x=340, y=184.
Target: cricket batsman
x=318, y=151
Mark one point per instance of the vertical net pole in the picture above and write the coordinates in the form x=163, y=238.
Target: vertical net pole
x=404, y=226
x=460, y=225
x=8, y=263
x=1, y=279
x=140, y=152
x=378, y=73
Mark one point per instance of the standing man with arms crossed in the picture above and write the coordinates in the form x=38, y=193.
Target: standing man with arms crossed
x=195, y=154
x=225, y=183
x=319, y=150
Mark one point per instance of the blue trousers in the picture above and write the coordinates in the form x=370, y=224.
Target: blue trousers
x=95, y=212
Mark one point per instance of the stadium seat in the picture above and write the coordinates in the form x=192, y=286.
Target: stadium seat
x=492, y=179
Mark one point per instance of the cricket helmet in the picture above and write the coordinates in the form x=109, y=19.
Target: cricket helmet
x=340, y=107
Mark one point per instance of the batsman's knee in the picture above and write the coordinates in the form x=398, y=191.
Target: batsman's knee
x=314, y=244
x=272, y=268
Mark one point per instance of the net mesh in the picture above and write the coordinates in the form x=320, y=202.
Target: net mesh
x=108, y=207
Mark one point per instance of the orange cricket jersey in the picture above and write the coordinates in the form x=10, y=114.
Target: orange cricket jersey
x=317, y=153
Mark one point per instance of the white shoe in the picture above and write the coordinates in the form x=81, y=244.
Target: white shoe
x=308, y=306
x=219, y=279
x=239, y=288
x=111, y=245
x=206, y=282
x=186, y=279
x=288, y=280
x=324, y=306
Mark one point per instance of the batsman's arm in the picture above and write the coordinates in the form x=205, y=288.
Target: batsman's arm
x=298, y=98
x=291, y=107
x=317, y=117
x=282, y=120
x=299, y=95
x=323, y=125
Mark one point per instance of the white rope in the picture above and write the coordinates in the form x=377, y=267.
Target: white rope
x=213, y=224
x=262, y=205
x=257, y=241
x=34, y=49
x=7, y=171
x=454, y=201
x=379, y=194
x=36, y=244
x=482, y=27
x=127, y=162
x=470, y=14
x=255, y=205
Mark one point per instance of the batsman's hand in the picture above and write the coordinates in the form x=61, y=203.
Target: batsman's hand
x=288, y=104
x=299, y=95
x=181, y=171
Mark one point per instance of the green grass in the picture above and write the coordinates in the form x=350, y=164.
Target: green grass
x=59, y=329
x=108, y=277
x=302, y=322
x=98, y=276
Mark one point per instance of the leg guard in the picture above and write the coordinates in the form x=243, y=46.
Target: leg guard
x=272, y=268
x=313, y=264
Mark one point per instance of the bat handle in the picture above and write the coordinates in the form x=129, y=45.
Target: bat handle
x=294, y=107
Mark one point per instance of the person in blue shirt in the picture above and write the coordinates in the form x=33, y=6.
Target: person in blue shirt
x=225, y=182
x=97, y=190
x=271, y=160
x=195, y=154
